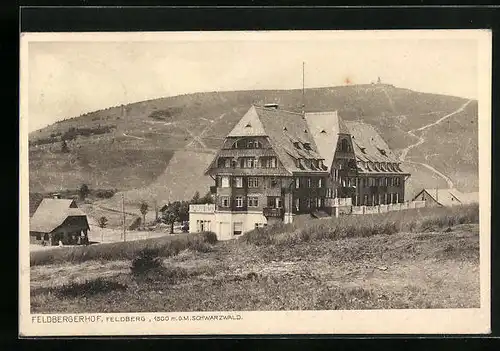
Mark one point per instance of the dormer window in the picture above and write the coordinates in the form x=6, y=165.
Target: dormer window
x=323, y=131
x=253, y=144
x=296, y=144
x=248, y=125
x=307, y=146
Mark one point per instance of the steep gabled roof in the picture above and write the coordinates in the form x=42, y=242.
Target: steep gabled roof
x=445, y=197
x=51, y=213
x=287, y=132
x=368, y=144
x=249, y=125
x=325, y=128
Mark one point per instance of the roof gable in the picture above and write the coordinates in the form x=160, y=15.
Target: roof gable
x=289, y=134
x=325, y=128
x=368, y=144
x=51, y=213
x=249, y=125
x=445, y=197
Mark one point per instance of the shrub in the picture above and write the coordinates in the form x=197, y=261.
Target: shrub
x=210, y=237
x=147, y=260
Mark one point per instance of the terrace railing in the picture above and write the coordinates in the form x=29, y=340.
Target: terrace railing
x=203, y=208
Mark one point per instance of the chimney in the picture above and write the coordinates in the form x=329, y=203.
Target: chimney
x=274, y=106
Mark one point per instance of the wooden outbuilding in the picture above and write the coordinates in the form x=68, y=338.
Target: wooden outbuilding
x=59, y=220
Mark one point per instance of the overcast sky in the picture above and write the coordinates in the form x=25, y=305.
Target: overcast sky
x=67, y=78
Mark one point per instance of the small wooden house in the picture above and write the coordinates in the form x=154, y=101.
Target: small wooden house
x=59, y=220
x=445, y=197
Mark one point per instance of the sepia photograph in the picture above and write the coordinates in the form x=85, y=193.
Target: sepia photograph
x=178, y=179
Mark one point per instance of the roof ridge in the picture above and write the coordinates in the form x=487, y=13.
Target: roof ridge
x=321, y=112
x=277, y=109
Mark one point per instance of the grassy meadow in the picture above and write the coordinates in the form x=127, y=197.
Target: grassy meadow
x=420, y=258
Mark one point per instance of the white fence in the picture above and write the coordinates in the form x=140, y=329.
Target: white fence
x=339, y=201
x=387, y=208
x=203, y=208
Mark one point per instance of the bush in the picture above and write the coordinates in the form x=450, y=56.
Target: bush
x=147, y=260
x=210, y=237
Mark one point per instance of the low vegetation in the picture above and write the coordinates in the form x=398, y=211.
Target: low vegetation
x=427, y=258
x=416, y=220
x=164, y=246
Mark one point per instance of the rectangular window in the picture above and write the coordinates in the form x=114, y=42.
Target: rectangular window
x=224, y=201
x=308, y=182
x=253, y=182
x=250, y=163
x=239, y=201
x=238, y=182
x=273, y=182
x=297, y=183
x=365, y=200
x=225, y=182
x=297, y=204
x=320, y=182
x=329, y=192
x=238, y=228
x=271, y=162
x=397, y=197
x=253, y=201
x=227, y=163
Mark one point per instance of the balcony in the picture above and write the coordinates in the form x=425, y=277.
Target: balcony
x=204, y=208
x=273, y=212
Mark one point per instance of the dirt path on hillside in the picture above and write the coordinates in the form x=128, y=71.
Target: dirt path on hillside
x=204, y=131
x=421, y=140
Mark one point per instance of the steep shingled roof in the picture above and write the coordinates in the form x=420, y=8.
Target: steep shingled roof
x=368, y=144
x=288, y=134
x=325, y=128
x=450, y=197
x=249, y=125
x=51, y=213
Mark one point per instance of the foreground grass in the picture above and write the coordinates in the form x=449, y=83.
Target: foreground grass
x=165, y=246
x=415, y=220
x=432, y=269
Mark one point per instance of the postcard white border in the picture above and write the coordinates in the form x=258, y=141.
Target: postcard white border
x=442, y=321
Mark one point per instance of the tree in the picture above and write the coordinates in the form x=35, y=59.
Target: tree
x=144, y=209
x=207, y=199
x=176, y=212
x=83, y=191
x=196, y=198
x=64, y=147
x=103, y=221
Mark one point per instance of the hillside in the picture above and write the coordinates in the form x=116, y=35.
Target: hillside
x=159, y=148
